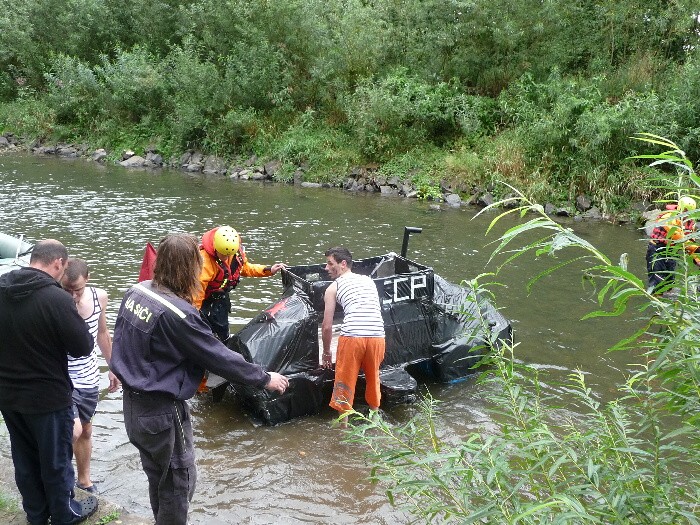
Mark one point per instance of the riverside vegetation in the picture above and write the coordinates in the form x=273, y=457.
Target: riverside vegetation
x=542, y=95
x=632, y=460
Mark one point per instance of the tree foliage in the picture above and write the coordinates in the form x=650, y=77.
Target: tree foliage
x=562, y=84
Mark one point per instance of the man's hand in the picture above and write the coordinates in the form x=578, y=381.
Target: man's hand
x=278, y=382
x=327, y=360
x=114, y=382
x=277, y=267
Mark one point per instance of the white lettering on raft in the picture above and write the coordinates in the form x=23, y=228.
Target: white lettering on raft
x=416, y=282
x=140, y=311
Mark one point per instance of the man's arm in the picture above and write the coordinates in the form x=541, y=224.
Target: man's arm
x=104, y=340
x=209, y=270
x=258, y=270
x=196, y=341
x=76, y=339
x=327, y=324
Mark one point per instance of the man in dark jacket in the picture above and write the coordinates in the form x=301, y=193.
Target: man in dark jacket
x=40, y=326
x=160, y=350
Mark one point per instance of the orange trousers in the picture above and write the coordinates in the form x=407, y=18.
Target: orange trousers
x=355, y=353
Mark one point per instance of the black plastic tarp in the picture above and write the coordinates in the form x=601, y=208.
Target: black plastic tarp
x=306, y=394
x=397, y=387
x=283, y=338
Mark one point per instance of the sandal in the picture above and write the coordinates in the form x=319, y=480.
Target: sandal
x=87, y=507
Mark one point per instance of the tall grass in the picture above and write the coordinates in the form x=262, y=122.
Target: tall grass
x=632, y=460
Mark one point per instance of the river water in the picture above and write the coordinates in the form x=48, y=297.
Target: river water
x=106, y=214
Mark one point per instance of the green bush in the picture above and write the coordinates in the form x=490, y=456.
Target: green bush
x=8, y=86
x=546, y=115
x=681, y=106
x=602, y=135
x=254, y=45
x=233, y=133
x=133, y=85
x=393, y=114
x=422, y=166
x=191, y=100
x=256, y=75
x=326, y=154
x=73, y=91
x=476, y=116
x=117, y=136
x=570, y=131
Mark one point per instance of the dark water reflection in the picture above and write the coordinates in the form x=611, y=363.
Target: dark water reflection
x=299, y=472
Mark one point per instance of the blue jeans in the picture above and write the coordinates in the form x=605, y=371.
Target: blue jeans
x=42, y=450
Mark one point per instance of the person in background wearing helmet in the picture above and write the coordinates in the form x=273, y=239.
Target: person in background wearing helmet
x=224, y=262
x=672, y=228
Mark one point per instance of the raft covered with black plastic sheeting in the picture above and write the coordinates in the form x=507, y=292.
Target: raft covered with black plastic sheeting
x=467, y=326
x=432, y=327
x=282, y=338
x=306, y=395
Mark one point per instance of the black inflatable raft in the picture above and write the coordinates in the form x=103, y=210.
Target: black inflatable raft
x=434, y=329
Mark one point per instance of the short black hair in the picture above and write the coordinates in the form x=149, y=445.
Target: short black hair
x=340, y=253
x=47, y=251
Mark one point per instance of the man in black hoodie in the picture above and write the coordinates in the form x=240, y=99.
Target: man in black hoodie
x=40, y=325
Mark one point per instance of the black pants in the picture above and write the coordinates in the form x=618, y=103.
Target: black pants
x=161, y=429
x=661, y=264
x=215, y=310
x=42, y=451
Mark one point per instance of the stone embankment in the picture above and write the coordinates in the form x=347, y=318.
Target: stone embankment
x=360, y=179
x=107, y=512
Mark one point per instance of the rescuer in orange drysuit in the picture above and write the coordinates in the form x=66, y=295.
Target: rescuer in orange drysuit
x=224, y=262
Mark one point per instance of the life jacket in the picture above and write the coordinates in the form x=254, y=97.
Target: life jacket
x=670, y=229
x=229, y=272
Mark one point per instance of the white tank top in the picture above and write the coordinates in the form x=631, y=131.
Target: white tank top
x=357, y=295
x=83, y=371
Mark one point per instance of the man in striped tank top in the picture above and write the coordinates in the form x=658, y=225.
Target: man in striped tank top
x=83, y=371
x=361, y=342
